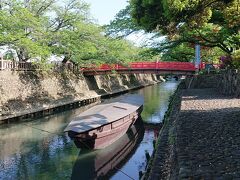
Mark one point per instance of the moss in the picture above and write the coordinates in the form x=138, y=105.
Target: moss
x=173, y=100
x=171, y=136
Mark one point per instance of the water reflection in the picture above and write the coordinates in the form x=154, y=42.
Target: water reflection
x=102, y=164
x=28, y=153
x=156, y=101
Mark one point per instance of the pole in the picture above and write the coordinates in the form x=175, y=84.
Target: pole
x=197, y=56
x=1, y=58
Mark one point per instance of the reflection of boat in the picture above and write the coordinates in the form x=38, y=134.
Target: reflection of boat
x=102, y=164
x=103, y=124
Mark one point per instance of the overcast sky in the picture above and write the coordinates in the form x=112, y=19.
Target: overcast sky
x=105, y=10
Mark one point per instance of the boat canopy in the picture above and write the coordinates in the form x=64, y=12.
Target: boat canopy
x=105, y=113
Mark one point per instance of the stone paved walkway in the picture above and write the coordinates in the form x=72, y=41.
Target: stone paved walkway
x=208, y=136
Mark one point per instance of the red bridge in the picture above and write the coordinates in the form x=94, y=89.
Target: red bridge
x=135, y=67
x=145, y=67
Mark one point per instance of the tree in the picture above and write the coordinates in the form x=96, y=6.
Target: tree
x=22, y=31
x=185, y=52
x=122, y=25
x=211, y=23
x=38, y=25
x=37, y=29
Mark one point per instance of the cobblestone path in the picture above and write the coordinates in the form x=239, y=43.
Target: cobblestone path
x=208, y=136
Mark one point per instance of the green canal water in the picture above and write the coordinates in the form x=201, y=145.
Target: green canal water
x=39, y=149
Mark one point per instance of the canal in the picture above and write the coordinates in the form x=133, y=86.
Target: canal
x=38, y=149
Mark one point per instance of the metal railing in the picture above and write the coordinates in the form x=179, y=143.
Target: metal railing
x=177, y=66
x=12, y=65
x=28, y=66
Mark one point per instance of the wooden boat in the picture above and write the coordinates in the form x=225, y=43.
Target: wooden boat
x=103, y=124
x=104, y=163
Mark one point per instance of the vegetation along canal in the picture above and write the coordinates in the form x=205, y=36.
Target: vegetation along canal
x=38, y=149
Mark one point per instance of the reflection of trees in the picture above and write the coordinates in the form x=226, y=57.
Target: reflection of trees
x=156, y=99
x=18, y=137
x=28, y=153
x=23, y=167
x=50, y=161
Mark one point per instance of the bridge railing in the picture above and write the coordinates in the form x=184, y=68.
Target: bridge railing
x=174, y=66
x=185, y=66
x=164, y=65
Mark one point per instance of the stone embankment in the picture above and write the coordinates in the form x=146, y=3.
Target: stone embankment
x=227, y=83
x=230, y=84
x=25, y=92
x=202, y=136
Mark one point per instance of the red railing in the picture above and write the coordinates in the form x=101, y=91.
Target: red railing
x=174, y=66
x=168, y=66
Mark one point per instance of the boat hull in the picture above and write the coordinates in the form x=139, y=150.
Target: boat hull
x=105, y=135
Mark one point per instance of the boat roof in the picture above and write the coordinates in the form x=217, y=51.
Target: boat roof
x=105, y=113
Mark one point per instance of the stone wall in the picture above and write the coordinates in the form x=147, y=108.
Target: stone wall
x=230, y=84
x=204, y=81
x=27, y=91
x=227, y=82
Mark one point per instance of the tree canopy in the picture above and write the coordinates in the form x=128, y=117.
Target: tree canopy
x=122, y=25
x=37, y=29
x=214, y=24
x=211, y=23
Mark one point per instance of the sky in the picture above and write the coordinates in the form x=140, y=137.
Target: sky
x=105, y=10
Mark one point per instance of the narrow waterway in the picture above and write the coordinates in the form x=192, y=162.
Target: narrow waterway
x=38, y=149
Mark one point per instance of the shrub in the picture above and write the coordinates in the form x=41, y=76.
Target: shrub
x=226, y=62
x=236, y=59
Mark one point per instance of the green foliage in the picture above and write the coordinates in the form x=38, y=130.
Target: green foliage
x=213, y=24
x=149, y=15
x=148, y=54
x=232, y=14
x=182, y=53
x=37, y=29
x=171, y=136
x=236, y=59
x=42, y=65
x=152, y=13
x=9, y=55
x=122, y=25
x=211, y=55
x=21, y=30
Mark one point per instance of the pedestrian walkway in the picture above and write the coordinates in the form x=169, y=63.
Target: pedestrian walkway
x=208, y=136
